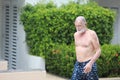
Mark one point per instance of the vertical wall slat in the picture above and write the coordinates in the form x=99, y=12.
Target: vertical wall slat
x=10, y=35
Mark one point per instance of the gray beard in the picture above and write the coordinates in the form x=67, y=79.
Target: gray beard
x=81, y=31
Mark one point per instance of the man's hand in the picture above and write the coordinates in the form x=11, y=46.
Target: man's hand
x=87, y=68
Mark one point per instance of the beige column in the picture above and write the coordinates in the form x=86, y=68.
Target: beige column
x=3, y=65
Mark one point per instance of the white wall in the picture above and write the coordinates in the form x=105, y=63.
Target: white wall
x=119, y=26
x=22, y=49
x=116, y=39
x=31, y=1
x=58, y=2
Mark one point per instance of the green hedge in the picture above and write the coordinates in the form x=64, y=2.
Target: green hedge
x=109, y=62
x=61, y=59
x=46, y=24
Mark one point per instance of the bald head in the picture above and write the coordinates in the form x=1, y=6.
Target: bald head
x=81, y=19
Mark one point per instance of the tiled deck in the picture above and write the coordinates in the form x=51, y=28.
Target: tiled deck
x=34, y=75
x=52, y=77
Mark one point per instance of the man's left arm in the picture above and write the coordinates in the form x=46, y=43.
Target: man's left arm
x=96, y=46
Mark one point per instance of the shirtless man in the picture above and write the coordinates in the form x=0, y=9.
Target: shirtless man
x=87, y=51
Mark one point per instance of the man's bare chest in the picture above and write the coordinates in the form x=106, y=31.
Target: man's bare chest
x=83, y=41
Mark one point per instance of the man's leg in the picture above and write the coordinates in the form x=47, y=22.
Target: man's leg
x=78, y=72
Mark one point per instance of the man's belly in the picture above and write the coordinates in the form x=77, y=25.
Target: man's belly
x=84, y=54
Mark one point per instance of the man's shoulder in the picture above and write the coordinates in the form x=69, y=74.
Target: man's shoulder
x=92, y=31
x=75, y=33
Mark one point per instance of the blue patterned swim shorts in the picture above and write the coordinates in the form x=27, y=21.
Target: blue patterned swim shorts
x=78, y=73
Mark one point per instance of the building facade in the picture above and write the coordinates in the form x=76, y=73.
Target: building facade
x=11, y=33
